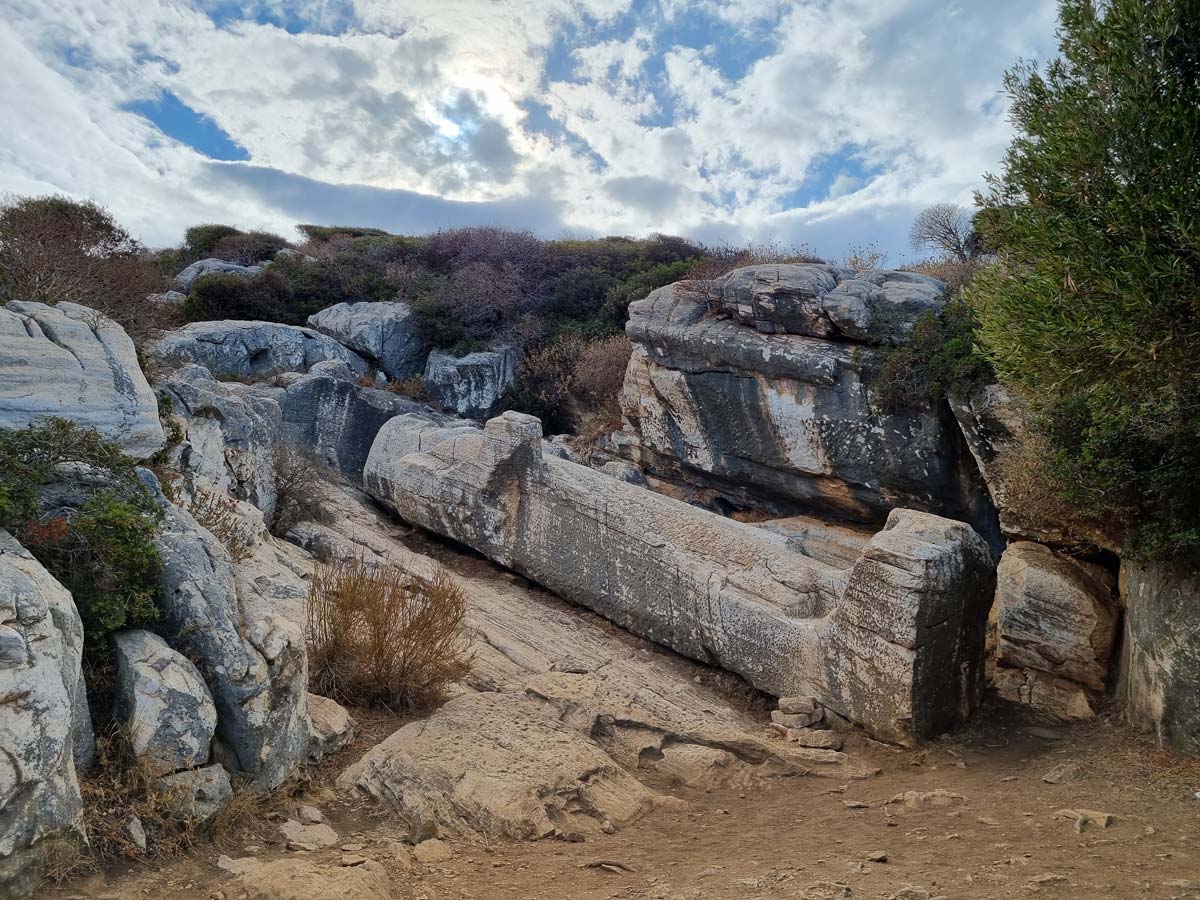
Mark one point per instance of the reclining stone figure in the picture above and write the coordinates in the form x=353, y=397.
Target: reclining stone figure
x=894, y=642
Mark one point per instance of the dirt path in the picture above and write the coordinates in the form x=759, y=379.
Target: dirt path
x=810, y=838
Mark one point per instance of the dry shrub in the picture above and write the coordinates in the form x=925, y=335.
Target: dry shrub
x=218, y=513
x=301, y=485
x=865, y=258
x=597, y=382
x=412, y=387
x=119, y=788
x=956, y=273
x=381, y=636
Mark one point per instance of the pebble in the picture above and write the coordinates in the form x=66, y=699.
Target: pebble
x=432, y=851
x=310, y=815
x=1061, y=774
x=877, y=856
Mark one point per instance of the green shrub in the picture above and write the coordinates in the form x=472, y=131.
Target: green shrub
x=102, y=550
x=1092, y=309
x=201, y=240
x=938, y=357
x=266, y=297
x=325, y=232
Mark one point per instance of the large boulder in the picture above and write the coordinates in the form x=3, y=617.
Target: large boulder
x=161, y=697
x=71, y=362
x=41, y=689
x=471, y=385
x=782, y=420
x=253, y=660
x=828, y=302
x=1160, y=662
x=185, y=279
x=251, y=350
x=894, y=641
x=1056, y=626
x=389, y=335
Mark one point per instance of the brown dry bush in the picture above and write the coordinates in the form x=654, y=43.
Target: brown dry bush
x=381, y=636
x=597, y=381
x=301, y=487
x=119, y=787
x=217, y=512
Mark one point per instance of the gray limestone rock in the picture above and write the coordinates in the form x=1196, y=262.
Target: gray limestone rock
x=254, y=661
x=781, y=420
x=389, y=335
x=198, y=794
x=71, y=362
x=163, y=701
x=470, y=385
x=185, y=279
x=252, y=350
x=41, y=642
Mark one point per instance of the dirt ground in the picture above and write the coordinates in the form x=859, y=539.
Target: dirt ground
x=812, y=838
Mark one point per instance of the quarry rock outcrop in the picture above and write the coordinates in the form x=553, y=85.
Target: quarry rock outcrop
x=253, y=660
x=1160, y=660
x=185, y=279
x=388, y=335
x=826, y=301
x=1056, y=627
x=893, y=641
x=785, y=419
x=252, y=350
x=41, y=643
x=73, y=363
x=163, y=702
x=470, y=385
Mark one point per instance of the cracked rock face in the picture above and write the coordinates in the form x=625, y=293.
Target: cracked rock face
x=71, y=362
x=781, y=417
x=185, y=279
x=470, y=385
x=41, y=686
x=253, y=660
x=1056, y=623
x=164, y=702
x=239, y=349
x=389, y=335
x=893, y=641
x=1160, y=666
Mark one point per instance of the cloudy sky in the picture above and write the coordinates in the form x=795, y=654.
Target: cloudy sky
x=822, y=122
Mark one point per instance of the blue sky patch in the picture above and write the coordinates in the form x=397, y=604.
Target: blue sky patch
x=176, y=119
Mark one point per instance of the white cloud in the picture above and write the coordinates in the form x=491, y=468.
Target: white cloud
x=762, y=118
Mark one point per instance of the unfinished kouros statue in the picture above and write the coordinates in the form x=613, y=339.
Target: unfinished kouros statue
x=892, y=641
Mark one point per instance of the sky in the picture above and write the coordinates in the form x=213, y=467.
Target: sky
x=826, y=124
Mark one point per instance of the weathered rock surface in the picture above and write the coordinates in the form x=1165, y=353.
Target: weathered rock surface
x=826, y=301
x=71, y=362
x=1057, y=616
x=41, y=642
x=162, y=699
x=539, y=776
x=388, y=335
x=777, y=420
x=1160, y=664
x=332, y=727
x=298, y=879
x=185, y=279
x=470, y=385
x=893, y=642
x=198, y=794
x=236, y=349
x=253, y=660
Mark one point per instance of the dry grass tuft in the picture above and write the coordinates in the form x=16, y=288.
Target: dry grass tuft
x=119, y=788
x=301, y=480
x=217, y=512
x=381, y=636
